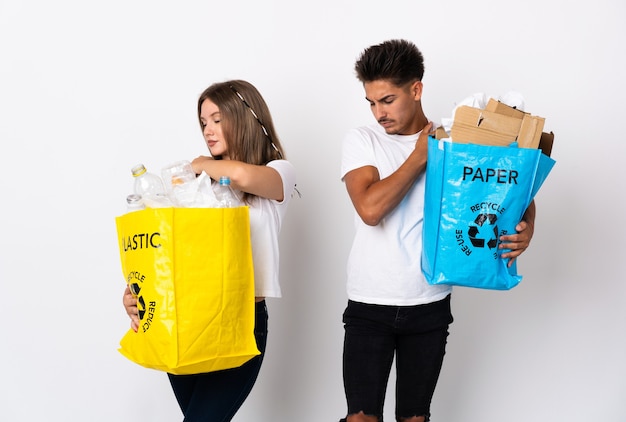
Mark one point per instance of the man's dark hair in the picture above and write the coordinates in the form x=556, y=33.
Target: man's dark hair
x=398, y=61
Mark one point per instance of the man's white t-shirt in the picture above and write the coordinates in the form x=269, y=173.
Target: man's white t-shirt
x=384, y=263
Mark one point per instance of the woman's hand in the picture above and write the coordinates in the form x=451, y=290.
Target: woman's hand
x=130, y=304
x=198, y=163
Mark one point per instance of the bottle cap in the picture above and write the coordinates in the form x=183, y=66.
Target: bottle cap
x=133, y=198
x=224, y=180
x=138, y=170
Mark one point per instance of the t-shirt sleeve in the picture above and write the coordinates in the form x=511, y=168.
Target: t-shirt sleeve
x=287, y=173
x=356, y=151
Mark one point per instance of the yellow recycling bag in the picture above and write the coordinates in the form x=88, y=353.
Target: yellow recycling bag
x=192, y=272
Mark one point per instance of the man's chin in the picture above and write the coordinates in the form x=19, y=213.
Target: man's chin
x=389, y=129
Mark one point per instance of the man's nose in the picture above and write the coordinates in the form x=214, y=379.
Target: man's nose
x=379, y=111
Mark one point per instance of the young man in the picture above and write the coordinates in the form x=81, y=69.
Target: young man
x=391, y=308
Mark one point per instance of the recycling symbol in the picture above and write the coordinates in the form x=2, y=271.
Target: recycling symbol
x=484, y=231
x=135, y=289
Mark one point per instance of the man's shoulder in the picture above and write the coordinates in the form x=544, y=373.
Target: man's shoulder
x=371, y=129
x=365, y=132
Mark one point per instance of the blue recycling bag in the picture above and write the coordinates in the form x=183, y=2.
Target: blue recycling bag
x=474, y=194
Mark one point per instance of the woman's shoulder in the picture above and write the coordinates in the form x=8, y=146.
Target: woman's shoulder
x=287, y=173
x=281, y=165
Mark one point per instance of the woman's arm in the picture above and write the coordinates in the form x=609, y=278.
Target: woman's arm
x=257, y=180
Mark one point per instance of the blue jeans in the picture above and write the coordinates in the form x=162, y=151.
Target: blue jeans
x=217, y=396
x=417, y=335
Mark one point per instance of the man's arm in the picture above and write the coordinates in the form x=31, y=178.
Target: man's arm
x=373, y=197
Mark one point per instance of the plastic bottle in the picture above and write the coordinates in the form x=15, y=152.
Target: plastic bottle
x=150, y=187
x=225, y=194
x=181, y=183
x=134, y=203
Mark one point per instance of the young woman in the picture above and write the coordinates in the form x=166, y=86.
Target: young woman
x=239, y=132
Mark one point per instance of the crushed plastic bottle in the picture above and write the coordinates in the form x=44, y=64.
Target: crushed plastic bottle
x=181, y=183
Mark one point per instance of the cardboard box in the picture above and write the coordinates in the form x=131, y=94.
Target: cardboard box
x=501, y=108
x=477, y=126
x=545, y=143
x=498, y=124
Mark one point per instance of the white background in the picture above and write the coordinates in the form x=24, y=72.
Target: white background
x=88, y=89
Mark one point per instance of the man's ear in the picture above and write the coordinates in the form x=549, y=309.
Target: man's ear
x=416, y=90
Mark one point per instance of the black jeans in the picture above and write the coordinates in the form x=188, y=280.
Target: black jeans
x=417, y=335
x=217, y=396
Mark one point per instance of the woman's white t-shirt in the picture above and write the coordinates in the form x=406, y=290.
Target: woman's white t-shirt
x=266, y=216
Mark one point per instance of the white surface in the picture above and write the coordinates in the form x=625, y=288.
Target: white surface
x=87, y=90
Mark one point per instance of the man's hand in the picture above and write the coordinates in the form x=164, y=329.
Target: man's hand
x=421, y=146
x=519, y=242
